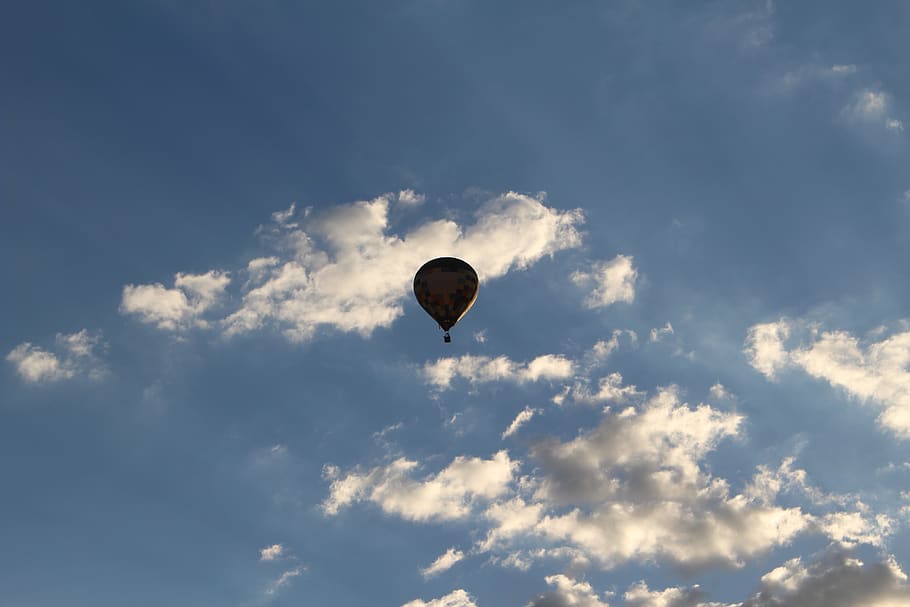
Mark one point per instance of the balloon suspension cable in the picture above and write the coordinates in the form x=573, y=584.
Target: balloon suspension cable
x=447, y=338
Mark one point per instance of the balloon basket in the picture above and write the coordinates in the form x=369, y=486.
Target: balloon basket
x=447, y=338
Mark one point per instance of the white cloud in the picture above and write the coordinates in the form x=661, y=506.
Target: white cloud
x=74, y=356
x=271, y=553
x=568, y=593
x=283, y=580
x=639, y=595
x=450, y=494
x=523, y=417
x=347, y=272
x=634, y=489
x=610, y=389
x=484, y=369
x=659, y=334
x=871, y=371
x=456, y=598
x=178, y=308
x=894, y=125
x=765, y=347
x=410, y=198
x=480, y=336
x=445, y=562
x=720, y=392
x=614, y=281
x=834, y=580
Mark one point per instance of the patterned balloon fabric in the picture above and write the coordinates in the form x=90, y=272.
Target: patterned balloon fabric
x=446, y=288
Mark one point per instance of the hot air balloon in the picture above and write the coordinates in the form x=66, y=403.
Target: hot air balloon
x=446, y=288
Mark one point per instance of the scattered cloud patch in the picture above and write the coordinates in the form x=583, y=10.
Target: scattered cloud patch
x=484, y=369
x=720, y=392
x=283, y=580
x=657, y=334
x=450, y=494
x=639, y=595
x=613, y=281
x=445, y=562
x=410, y=198
x=456, y=598
x=523, y=417
x=871, y=371
x=271, y=553
x=481, y=336
x=344, y=270
x=74, y=355
x=872, y=107
x=568, y=593
x=178, y=308
x=834, y=580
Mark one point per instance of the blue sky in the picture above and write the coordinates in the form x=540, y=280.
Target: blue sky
x=684, y=383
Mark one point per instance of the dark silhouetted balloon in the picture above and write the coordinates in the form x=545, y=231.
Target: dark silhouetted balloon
x=446, y=288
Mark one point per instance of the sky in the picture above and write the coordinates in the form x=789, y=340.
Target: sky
x=685, y=381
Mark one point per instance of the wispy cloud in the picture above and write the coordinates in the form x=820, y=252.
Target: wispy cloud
x=283, y=580
x=523, y=417
x=444, y=562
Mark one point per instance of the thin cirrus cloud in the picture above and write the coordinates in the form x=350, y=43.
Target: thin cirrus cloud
x=74, y=355
x=610, y=281
x=344, y=269
x=873, y=372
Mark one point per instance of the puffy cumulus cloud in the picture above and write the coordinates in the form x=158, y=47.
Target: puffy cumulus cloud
x=456, y=598
x=523, y=417
x=343, y=269
x=271, y=553
x=74, y=355
x=634, y=489
x=445, y=562
x=568, y=593
x=834, y=580
x=450, y=494
x=484, y=369
x=639, y=595
x=613, y=281
x=177, y=308
x=870, y=371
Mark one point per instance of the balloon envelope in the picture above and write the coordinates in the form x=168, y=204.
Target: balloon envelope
x=446, y=288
